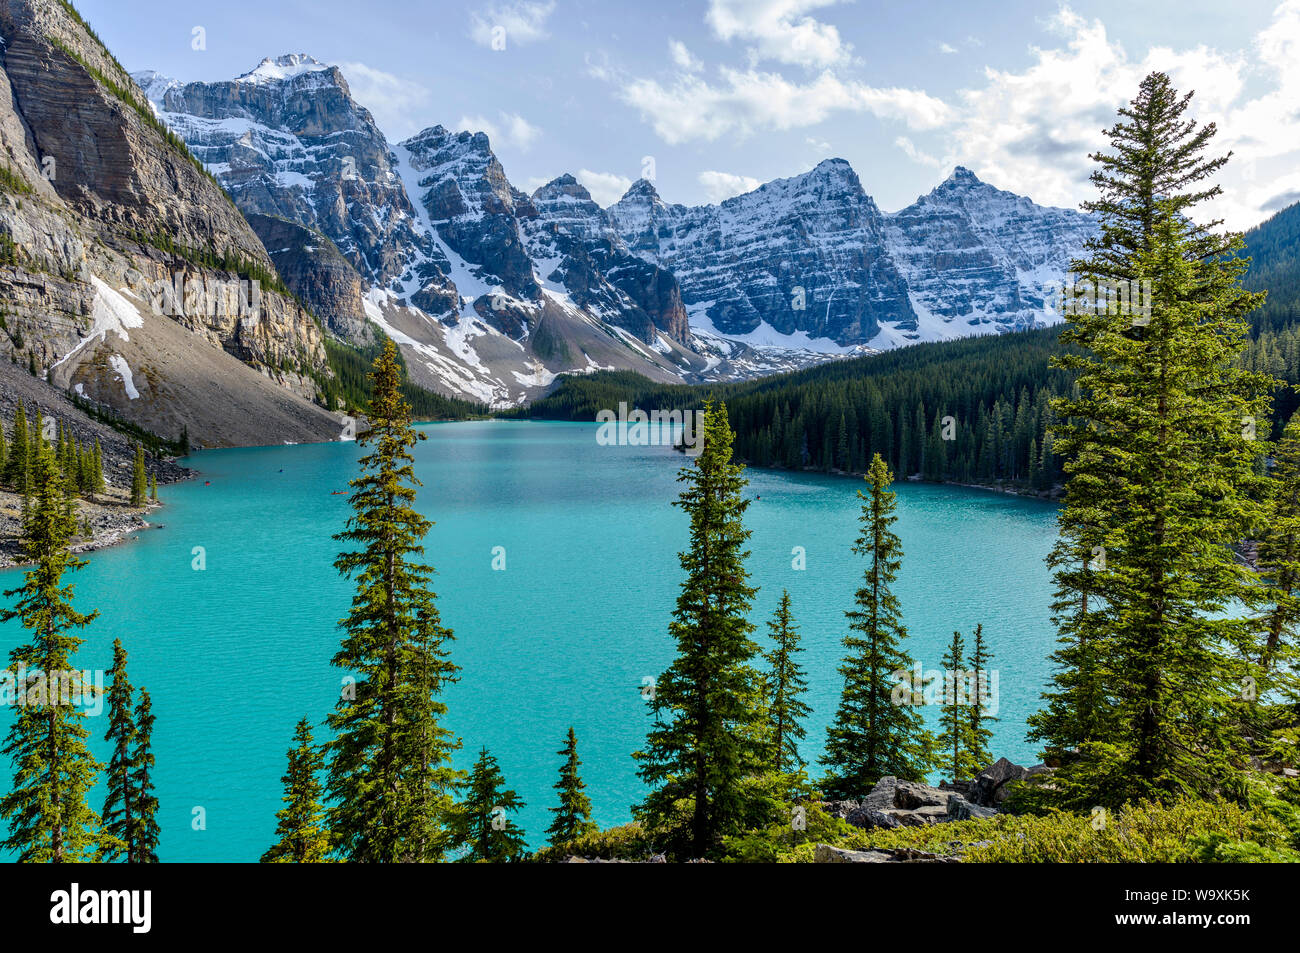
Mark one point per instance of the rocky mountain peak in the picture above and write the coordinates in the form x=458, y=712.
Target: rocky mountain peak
x=279, y=68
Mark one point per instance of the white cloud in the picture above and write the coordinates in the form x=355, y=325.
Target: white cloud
x=723, y=185
x=605, y=187
x=683, y=58
x=916, y=155
x=780, y=30
x=747, y=101
x=520, y=23
x=395, y=103
x=821, y=145
x=1033, y=130
x=510, y=129
x=947, y=48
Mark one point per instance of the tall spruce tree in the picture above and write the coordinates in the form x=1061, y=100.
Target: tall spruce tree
x=143, y=831
x=954, y=744
x=877, y=730
x=785, y=688
x=119, y=804
x=139, y=482
x=49, y=819
x=1161, y=471
x=390, y=776
x=980, y=734
x=482, y=826
x=15, y=473
x=573, y=814
x=1279, y=551
x=301, y=837
x=706, y=742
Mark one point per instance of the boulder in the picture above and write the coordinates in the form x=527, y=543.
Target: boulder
x=960, y=809
x=991, y=786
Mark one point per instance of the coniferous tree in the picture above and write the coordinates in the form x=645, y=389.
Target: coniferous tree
x=16, y=469
x=1279, y=551
x=49, y=819
x=144, y=831
x=390, y=776
x=300, y=828
x=877, y=731
x=119, y=803
x=97, y=471
x=153, y=488
x=707, y=738
x=482, y=825
x=786, y=686
x=980, y=733
x=4, y=452
x=573, y=815
x=139, y=483
x=1161, y=466
x=954, y=748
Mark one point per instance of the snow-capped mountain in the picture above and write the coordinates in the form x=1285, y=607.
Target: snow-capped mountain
x=813, y=257
x=492, y=292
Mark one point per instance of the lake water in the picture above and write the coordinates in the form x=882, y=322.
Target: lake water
x=235, y=654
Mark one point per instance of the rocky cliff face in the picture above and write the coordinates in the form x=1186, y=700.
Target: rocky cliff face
x=814, y=255
x=976, y=258
x=103, y=219
x=805, y=254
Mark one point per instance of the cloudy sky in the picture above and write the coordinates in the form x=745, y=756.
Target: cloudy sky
x=716, y=96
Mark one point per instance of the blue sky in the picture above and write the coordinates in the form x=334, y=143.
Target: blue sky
x=725, y=94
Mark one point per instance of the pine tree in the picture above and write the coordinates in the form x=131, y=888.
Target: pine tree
x=707, y=738
x=1161, y=467
x=573, y=815
x=16, y=471
x=390, y=777
x=872, y=735
x=300, y=832
x=119, y=803
x=1279, y=553
x=49, y=819
x=143, y=830
x=955, y=757
x=4, y=452
x=785, y=688
x=481, y=824
x=97, y=471
x=153, y=488
x=139, y=485
x=980, y=734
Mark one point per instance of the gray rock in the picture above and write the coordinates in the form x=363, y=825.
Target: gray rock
x=960, y=809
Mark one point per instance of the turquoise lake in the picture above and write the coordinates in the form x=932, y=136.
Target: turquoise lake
x=235, y=654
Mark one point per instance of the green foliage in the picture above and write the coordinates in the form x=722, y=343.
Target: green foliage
x=300, y=828
x=119, y=803
x=875, y=732
x=139, y=480
x=49, y=819
x=626, y=842
x=780, y=842
x=837, y=416
x=390, y=776
x=954, y=747
x=784, y=687
x=143, y=828
x=1162, y=481
x=350, y=384
x=482, y=825
x=706, y=742
x=11, y=181
x=573, y=815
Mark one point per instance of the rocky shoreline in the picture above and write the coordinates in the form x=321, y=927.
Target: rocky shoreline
x=110, y=520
